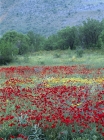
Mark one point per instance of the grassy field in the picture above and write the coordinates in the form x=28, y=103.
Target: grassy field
x=67, y=57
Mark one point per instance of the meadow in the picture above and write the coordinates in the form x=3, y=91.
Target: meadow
x=91, y=58
x=55, y=95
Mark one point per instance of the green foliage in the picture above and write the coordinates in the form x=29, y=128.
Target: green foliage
x=87, y=36
x=36, y=133
x=18, y=40
x=36, y=41
x=57, y=55
x=51, y=43
x=64, y=39
x=68, y=37
x=89, y=33
x=23, y=44
x=26, y=58
x=11, y=36
x=9, y=131
x=79, y=52
x=7, y=52
x=101, y=40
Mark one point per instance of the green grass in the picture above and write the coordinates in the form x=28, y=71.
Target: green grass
x=91, y=58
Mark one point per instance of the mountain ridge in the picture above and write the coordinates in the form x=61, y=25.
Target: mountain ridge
x=46, y=17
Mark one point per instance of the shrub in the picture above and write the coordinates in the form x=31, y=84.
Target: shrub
x=79, y=52
x=7, y=52
x=18, y=40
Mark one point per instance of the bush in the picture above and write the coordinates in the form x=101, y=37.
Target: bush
x=7, y=52
x=79, y=52
x=18, y=40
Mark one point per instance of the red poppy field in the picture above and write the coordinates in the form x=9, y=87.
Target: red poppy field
x=66, y=102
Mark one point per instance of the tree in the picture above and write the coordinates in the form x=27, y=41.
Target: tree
x=68, y=37
x=23, y=44
x=101, y=40
x=35, y=41
x=18, y=40
x=89, y=33
x=51, y=43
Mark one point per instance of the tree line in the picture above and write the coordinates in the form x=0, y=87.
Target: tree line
x=89, y=35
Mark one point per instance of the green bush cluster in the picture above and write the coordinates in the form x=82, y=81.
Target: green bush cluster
x=89, y=35
x=13, y=43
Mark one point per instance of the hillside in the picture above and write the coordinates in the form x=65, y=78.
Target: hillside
x=46, y=17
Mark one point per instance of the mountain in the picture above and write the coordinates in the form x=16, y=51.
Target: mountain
x=46, y=17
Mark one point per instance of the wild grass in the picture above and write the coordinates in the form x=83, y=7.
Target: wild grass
x=90, y=58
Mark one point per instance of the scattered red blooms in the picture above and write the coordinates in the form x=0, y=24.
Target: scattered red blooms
x=19, y=136
x=50, y=106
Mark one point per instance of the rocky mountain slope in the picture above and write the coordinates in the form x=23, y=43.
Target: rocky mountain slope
x=46, y=17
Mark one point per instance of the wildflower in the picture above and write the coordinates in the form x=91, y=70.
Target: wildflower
x=7, y=100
